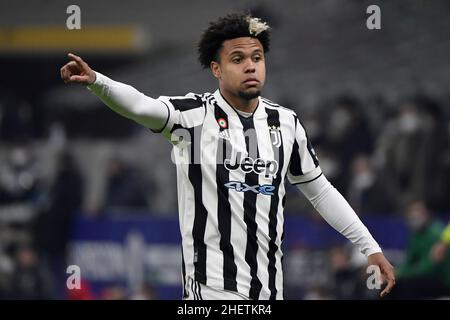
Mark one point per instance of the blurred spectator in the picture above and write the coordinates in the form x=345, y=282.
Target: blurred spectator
x=347, y=135
x=53, y=226
x=440, y=249
x=6, y=270
x=349, y=280
x=408, y=152
x=367, y=192
x=16, y=118
x=419, y=277
x=126, y=186
x=18, y=177
x=29, y=280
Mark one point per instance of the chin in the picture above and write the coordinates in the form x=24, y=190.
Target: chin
x=250, y=94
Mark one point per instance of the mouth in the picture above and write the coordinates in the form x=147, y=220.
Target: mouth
x=251, y=81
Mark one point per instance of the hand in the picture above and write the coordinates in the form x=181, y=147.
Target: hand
x=387, y=271
x=77, y=71
x=438, y=252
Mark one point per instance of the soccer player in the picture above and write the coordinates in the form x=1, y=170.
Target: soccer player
x=233, y=150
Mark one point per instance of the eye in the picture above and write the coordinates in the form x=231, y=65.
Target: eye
x=257, y=58
x=236, y=59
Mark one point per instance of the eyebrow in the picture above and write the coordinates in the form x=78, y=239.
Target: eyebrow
x=239, y=51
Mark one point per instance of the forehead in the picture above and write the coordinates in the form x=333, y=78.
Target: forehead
x=241, y=44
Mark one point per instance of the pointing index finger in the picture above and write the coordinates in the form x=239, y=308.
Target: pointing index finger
x=76, y=58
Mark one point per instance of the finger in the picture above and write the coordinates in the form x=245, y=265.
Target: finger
x=73, y=68
x=64, y=74
x=390, y=284
x=67, y=73
x=71, y=64
x=77, y=59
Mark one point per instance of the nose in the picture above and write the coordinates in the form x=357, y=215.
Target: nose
x=250, y=66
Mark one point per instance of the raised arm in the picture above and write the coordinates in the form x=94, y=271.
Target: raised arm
x=122, y=98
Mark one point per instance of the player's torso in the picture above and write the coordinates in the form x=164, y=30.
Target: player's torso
x=230, y=172
x=240, y=158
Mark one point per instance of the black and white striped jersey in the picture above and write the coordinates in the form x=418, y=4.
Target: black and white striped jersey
x=230, y=172
x=230, y=175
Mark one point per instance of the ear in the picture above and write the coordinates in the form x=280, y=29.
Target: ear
x=215, y=69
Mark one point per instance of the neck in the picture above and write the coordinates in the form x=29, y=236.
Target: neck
x=239, y=103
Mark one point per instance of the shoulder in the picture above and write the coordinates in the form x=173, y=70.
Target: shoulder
x=275, y=106
x=287, y=112
x=201, y=96
x=188, y=96
x=291, y=115
x=187, y=102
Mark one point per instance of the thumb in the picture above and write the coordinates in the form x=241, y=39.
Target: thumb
x=80, y=79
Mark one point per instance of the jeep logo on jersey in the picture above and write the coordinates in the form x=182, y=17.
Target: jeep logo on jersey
x=259, y=166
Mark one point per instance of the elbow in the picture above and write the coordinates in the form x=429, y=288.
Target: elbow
x=324, y=192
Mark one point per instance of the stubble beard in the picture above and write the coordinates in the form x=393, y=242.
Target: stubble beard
x=249, y=95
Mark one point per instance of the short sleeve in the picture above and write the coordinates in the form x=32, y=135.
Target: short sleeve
x=304, y=164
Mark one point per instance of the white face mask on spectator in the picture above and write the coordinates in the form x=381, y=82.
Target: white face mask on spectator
x=364, y=180
x=409, y=122
x=417, y=222
x=339, y=122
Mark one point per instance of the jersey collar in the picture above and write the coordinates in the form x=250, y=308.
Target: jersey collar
x=229, y=109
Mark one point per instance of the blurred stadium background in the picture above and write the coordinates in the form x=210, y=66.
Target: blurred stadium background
x=81, y=185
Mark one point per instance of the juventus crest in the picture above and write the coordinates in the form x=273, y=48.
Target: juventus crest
x=275, y=136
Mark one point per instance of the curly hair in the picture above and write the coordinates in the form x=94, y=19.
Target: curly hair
x=231, y=26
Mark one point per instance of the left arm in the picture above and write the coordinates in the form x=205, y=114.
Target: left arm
x=332, y=206
x=304, y=172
